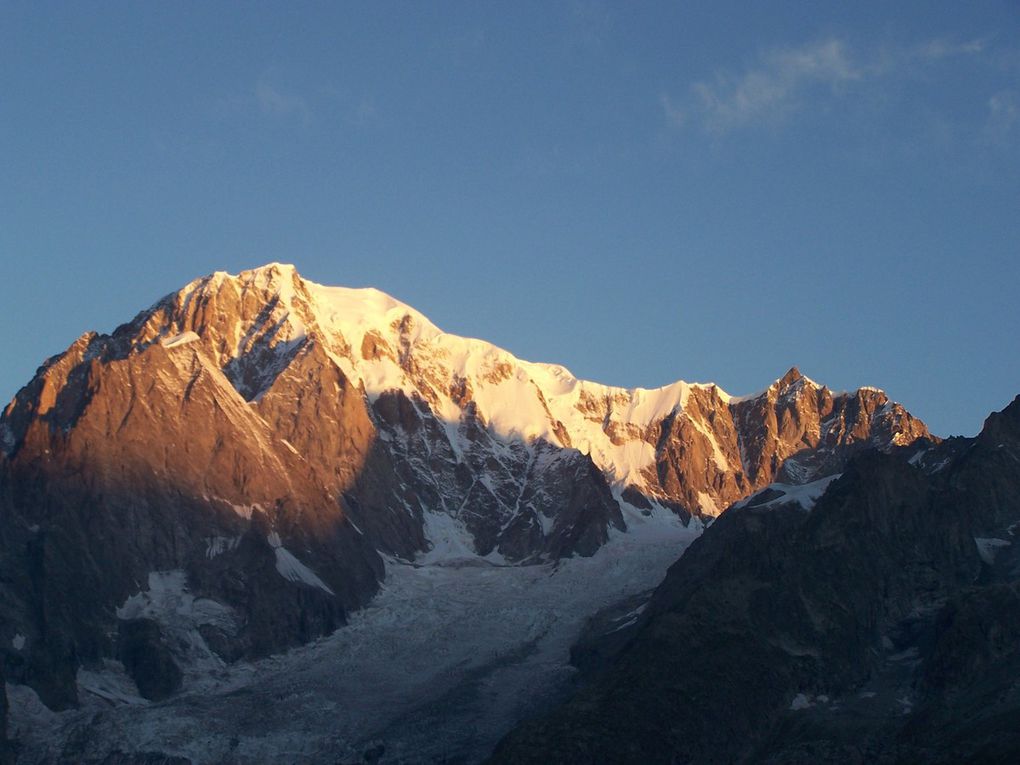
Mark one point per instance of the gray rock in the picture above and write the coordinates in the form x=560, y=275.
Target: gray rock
x=144, y=653
x=6, y=746
x=222, y=442
x=871, y=629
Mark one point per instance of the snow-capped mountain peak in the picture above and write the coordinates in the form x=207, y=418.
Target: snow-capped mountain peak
x=254, y=324
x=269, y=442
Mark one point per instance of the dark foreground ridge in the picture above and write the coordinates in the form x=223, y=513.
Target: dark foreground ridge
x=881, y=626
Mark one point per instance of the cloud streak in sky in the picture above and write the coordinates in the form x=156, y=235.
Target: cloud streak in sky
x=772, y=89
x=273, y=101
x=785, y=78
x=1003, y=116
x=934, y=50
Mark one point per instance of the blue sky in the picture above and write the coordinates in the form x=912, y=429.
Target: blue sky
x=639, y=191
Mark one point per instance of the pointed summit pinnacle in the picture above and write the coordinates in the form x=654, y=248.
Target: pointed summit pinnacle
x=276, y=267
x=792, y=376
x=269, y=272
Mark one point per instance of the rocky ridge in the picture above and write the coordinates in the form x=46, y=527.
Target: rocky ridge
x=222, y=476
x=874, y=620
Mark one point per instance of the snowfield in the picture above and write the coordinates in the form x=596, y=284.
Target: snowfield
x=446, y=659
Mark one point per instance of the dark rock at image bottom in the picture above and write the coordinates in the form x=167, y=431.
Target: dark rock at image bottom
x=877, y=627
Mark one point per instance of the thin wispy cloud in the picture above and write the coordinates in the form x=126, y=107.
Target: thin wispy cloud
x=935, y=50
x=772, y=89
x=274, y=101
x=674, y=114
x=1003, y=116
x=787, y=79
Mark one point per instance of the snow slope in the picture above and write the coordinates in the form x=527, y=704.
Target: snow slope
x=661, y=441
x=805, y=495
x=442, y=663
x=387, y=345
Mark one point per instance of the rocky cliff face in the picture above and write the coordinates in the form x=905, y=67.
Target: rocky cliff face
x=221, y=477
x=879, y=626
x=6, y=755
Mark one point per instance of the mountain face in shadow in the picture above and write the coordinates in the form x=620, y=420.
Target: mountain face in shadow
x=222, y=477
x=879, y=622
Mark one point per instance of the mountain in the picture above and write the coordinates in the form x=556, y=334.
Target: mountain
x=875, y=620
x=6, y=753
x=228, y=474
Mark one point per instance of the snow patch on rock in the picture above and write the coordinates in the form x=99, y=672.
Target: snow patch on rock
x=292, y=569
x=178, y=340
x=441, y=650
x=179, y=613
x=805, y=495
x=219, y=545
x=449, y=539
x=989, y=547
x=110, y=682
x=801, y=701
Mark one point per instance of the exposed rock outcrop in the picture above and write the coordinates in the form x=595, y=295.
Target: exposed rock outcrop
x=6, y=748
x=879, y=626
x=142, y=649
x=232, y=465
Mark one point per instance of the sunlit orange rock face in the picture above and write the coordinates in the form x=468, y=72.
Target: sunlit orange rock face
x=717, y=449
x=271, y=440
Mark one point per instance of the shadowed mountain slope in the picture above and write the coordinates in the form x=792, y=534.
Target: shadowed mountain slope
x=880, y=623
x=222, y=476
